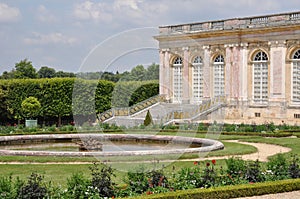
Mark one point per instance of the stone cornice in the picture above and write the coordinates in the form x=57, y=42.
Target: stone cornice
x=263, y=31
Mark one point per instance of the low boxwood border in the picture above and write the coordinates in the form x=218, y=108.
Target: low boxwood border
x=245, y=190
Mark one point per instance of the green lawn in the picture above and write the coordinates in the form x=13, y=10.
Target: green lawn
x=59, y=173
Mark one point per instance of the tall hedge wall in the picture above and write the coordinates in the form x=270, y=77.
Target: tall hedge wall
x=63, y=97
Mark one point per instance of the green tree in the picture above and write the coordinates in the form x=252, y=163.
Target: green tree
x=152, y=72
x=148, y=119
x=57, y=97
x=31, y=107
x=64, y=74
x=144, y=92
x=138, y=73
x=46, y=72
x=24, y=70
x=8, y=75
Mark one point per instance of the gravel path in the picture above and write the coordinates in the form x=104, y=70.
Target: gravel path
x=263, y=151
x=287, y=195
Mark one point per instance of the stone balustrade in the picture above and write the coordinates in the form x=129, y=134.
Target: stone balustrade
x=233, y=24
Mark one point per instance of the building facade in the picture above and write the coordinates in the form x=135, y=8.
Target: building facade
x=254, y=62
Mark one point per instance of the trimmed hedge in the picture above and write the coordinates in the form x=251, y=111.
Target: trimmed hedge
x=231, y=191
x=65, y=97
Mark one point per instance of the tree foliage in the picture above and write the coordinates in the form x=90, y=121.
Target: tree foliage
x=31, y=107
x=148, y=119
x=46, y=72
x=25, y=69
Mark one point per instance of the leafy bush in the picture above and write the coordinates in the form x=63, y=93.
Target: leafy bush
x=6, y=187
x=254, y=173
x=187, y=178
x=278, y=168
x=236, y=168
x=137, y=181
x=294, y=169
x=148, y=119
x=76, y=186
x=101, y=182
x=34, y=188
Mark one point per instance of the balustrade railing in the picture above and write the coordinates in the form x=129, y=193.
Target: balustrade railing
x=128, y=111
x=205, y=106
x=237, y=23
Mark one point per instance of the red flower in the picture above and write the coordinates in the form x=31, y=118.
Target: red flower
x=207, y=164
x=113, y=197
x=195, y=163
x=213, y=162
x=149, y=192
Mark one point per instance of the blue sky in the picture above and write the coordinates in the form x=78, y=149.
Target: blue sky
x=110, y=35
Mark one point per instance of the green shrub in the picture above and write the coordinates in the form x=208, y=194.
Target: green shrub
x=137, y=182
x=101, y=182
x=187, y=178
x=278, y=168
x=6, y=188
x=254, y=173
x=148, y=119
x=294, y=169
x=226, y=192
x=236, y=168
x=76, y=186
x=34, y=188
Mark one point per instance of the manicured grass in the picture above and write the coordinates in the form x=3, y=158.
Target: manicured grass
x=41, y=159
x=59, y=173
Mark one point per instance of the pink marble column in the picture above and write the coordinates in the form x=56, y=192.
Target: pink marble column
x=235, y=71
x=167, y=83
x=228, y=71
x=277, y=70
x=206, y=73
x=244, y=71
x=186, y=86
x=162, y=73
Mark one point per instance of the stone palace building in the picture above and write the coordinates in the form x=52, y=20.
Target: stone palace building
x=254, y=62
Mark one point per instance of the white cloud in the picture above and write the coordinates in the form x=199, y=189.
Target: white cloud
x=9, y=14
x=52, y=38
x=92, y=11
x=132, y=4
x=44, y=15
x=137, y=12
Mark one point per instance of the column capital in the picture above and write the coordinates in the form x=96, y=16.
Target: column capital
x=279, y=43
x=165, y=50
x=245, y=45
x=185, y=48
x=231, y=45
x=206, y=47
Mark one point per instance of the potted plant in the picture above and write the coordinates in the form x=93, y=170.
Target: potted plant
x=30, y=109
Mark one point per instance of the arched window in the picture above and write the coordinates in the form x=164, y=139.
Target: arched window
x=296, y=77
x=177, y=80
x=260, y=77
x=219, y=76
x=197, y=70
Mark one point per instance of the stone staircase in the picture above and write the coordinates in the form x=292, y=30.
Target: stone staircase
x=162, y=113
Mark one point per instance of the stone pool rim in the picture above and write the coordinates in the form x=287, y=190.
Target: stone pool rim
x=209, y=145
